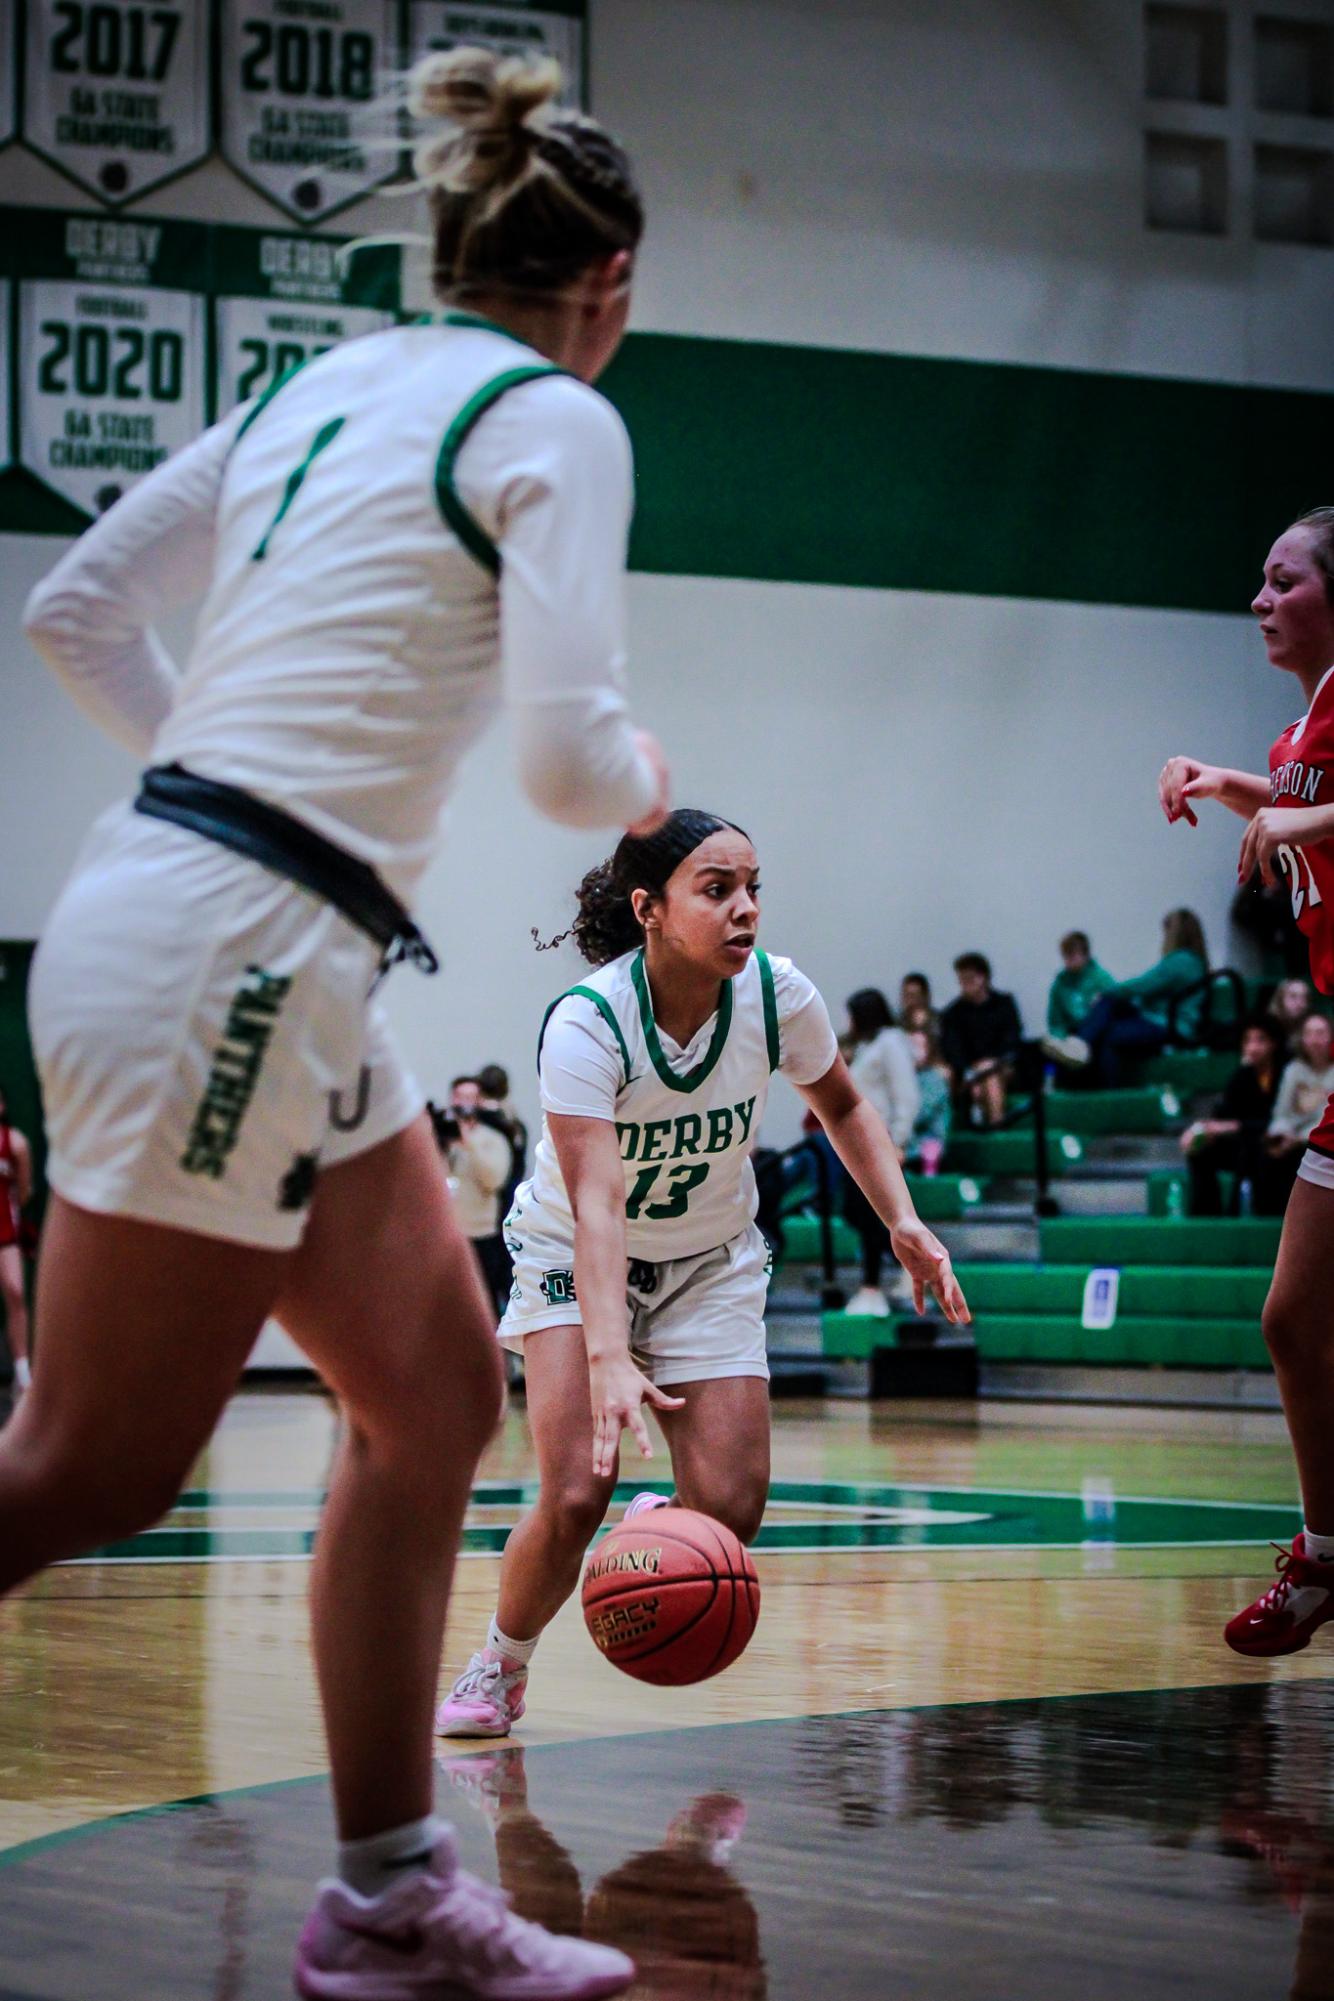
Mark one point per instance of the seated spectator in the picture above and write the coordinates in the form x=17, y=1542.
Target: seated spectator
x=1080, y=982
x=980, y=1035
x=931, y=1127
x=1132, y=1018
x=881, y=1062
x=1308, y=1082
x=915, y=1008
x=1232, y=1141
x=1289, y=1004
x=477, y=1152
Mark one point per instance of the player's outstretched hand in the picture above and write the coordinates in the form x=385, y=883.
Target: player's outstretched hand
x=619, y=1392
x=650, y=749
x=1183, y=779
x=927, y=1264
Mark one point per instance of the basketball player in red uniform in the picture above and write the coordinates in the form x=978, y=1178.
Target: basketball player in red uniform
x=15, y=1188
x=1290, y=831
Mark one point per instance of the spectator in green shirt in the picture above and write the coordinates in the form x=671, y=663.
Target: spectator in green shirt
x=1077, y=986
x=1132, y=1018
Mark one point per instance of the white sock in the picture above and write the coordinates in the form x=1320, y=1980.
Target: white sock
x=521, y=1651
x=1319, y=1548
x=378, y=1861
x=22, y=1372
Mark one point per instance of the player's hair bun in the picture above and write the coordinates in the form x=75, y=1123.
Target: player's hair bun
x=490, y=101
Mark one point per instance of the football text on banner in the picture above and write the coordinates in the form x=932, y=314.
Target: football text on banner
x=116, y=95
x=305, y=111
x=512, y=27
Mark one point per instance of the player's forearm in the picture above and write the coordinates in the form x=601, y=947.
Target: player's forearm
x=1243, y=792
x=599, y=1277
x=863, y=1144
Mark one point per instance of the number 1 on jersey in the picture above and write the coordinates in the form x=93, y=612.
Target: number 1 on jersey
x=324, y=436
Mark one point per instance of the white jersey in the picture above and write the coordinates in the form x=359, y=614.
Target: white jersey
x=686, y=1119
x=403, y=531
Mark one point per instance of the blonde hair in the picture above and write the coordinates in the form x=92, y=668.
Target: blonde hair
x=524, y=194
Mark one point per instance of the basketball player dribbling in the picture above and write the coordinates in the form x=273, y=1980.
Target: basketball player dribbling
x=1290, y=827
x=15, y=1188
x=639, y=1275
x=407, y=531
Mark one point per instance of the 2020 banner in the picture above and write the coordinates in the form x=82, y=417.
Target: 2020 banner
x=116, y=94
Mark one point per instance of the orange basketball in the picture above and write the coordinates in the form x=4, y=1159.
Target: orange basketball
x=671, y=1597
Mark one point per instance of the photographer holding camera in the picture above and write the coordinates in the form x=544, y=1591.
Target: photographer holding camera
x=475, y=1142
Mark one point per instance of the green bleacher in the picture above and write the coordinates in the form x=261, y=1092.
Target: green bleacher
x=1155, y=1240
x=1011, y=1152
x=938, y=1198
x=1140, y=1109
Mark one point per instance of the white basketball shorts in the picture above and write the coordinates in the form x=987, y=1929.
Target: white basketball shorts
x=691, y=1319
x=204, y=1037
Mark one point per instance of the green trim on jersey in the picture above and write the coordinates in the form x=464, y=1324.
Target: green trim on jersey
x=770, y=1007
x=470, y=532
x=266, y=397
x=604, y=1008
x=693, y=1078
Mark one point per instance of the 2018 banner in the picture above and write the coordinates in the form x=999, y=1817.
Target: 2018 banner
x=305, y=113
x=116, y=94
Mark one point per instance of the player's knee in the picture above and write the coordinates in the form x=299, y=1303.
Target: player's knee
x=739, y=1507
x=1287, y=1332
x=90, y=1505
x=576, y=1509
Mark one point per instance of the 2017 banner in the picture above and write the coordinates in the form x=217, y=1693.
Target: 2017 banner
x=115, y=94
x=305, y=113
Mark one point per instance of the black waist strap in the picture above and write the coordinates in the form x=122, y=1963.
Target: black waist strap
x=237, y=820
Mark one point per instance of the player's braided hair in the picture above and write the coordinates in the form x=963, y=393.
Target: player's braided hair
x=1322, y=546
x=524, y=194
x=606, y=925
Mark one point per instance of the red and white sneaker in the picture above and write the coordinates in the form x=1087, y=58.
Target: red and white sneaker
x=643, y=1502
x=485, y=1701
x=1284, y=1619
x=439, y=1936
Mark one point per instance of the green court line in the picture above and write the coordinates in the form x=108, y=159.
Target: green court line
x=995, y=1519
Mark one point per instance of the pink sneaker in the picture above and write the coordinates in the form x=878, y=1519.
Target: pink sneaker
x=485, y=1701
x=439, y=1936
x=643, y=1502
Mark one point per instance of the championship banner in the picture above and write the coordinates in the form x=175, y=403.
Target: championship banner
x=116, y=92
x=283, y=299
x=111, y=342
x=300, y=85
x=555, y=28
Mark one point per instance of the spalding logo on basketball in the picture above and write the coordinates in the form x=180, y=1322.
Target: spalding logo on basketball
x=671, y=1597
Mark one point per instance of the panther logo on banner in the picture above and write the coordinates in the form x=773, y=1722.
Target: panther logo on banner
x=514, y=28
x=304, y=106
x=116, y=95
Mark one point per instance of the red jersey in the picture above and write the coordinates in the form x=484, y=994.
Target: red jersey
x=9, y=1188
x=1301, y=773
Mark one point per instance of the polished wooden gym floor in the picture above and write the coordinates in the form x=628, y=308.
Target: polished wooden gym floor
x=986, y=1742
